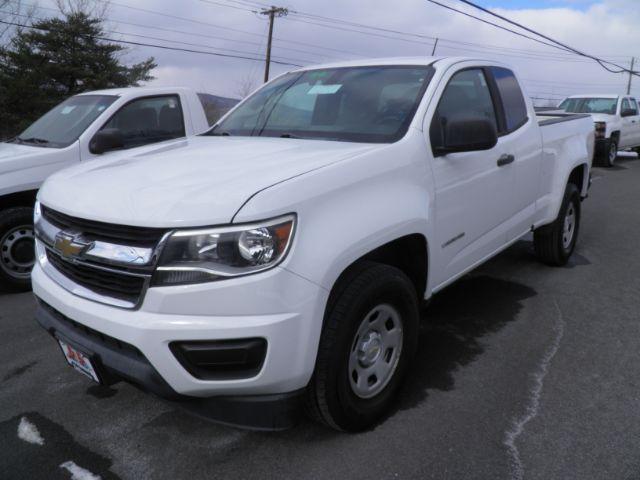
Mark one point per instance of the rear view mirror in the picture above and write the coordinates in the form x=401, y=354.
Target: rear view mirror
x=628, y=113
x=106, y=140
x=467, y=136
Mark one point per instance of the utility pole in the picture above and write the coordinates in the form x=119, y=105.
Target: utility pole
x=434, y=47
x=633, y=60
x=272, y=12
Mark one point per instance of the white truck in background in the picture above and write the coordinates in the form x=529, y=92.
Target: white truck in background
x=95, y=125
x=616, y=118
x=280, y=258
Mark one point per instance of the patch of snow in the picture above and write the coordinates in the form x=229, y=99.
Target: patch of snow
x=28, y=432
x=78, y=473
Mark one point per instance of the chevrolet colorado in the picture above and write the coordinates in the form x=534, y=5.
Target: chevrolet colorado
x=92, y=125
x=279, y=259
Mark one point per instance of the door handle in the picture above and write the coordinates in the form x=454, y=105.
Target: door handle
x=505, y=160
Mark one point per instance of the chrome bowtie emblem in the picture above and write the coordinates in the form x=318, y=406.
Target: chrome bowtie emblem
x=68, y=245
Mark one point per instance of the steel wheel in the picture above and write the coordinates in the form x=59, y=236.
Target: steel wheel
x=17, y=255
x=375, y=351
x=613, y=152
x=569, y=227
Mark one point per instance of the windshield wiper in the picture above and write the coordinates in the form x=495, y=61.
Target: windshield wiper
x=290, y=135
x=218, y=134
x=40, y=141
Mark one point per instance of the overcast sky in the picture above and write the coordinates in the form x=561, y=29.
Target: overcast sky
x=609, y=28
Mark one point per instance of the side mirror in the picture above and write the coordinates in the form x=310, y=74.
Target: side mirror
x=106, y=140
x=628, y=113
x=467, y=135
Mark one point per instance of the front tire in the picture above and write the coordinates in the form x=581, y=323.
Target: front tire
x=611, y=152
x=17, y=249
x=369, y=337
x=554, y=243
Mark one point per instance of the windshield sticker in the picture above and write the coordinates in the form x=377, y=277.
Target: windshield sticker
x=68, y=109
x=172, y=103
x=323, y=89
x=101, y=108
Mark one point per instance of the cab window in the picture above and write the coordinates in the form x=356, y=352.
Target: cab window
x=467, y=95
x=149, y=120
x=629, y=104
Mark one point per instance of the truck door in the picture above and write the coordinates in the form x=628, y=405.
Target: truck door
x=473, y=190
x=629, y=133
x=143, y=121
x=520, y=137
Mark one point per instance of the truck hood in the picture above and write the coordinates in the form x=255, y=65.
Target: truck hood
x=14, y=156
x=200, y=181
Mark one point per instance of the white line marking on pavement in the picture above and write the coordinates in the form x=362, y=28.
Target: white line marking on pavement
x=28, y=432
x=79, y=473
x=518, y=423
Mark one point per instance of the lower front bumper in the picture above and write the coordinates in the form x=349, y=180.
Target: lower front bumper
x=117, y=361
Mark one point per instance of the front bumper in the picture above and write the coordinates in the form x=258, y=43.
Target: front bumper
x=278, y=306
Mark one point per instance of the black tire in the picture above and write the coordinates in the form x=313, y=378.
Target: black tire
x=549, y=240
x=17, y=251
x=610, y=152
x=331, y=400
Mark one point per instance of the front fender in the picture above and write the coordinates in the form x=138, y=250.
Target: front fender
x=349, y=208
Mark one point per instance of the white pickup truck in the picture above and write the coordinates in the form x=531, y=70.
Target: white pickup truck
x=283, y=255
x=92, y=125
x=617, y=122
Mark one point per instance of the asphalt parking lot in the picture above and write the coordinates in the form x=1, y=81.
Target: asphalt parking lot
x=523, y=371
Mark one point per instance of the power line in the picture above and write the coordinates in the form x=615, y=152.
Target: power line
x=600, y=61
x=182, y=32
x=557, y=56
x=182, y=43
x=163, y=47
x=200, y=22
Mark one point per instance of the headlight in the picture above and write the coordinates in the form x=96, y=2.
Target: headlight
x=194, y=256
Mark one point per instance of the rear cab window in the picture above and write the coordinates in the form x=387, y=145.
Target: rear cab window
x=513, y=103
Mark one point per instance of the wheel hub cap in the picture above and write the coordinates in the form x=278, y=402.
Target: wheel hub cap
x=369, y=349
x=17, y=255
x=375, y=351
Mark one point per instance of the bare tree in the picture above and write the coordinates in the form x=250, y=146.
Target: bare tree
x=246, y=85
x=88, y=7
x=13, y=11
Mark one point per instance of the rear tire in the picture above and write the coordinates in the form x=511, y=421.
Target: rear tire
x=554, y=243
x=17, y=250
x=369, y=337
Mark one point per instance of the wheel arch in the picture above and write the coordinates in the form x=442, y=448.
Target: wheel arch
x=409, y=253
x=25, y=198
x=579, y=176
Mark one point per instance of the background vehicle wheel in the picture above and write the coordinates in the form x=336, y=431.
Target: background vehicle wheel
x=555, y=243
x=17, y=249
x=369, y=337
x=611, y=153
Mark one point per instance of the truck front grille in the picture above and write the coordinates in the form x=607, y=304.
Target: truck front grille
x=122, y=234
x=110, y=283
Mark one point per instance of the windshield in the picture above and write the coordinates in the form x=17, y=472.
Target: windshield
x=357, y=104
x=590, y=105
x=62, y=125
